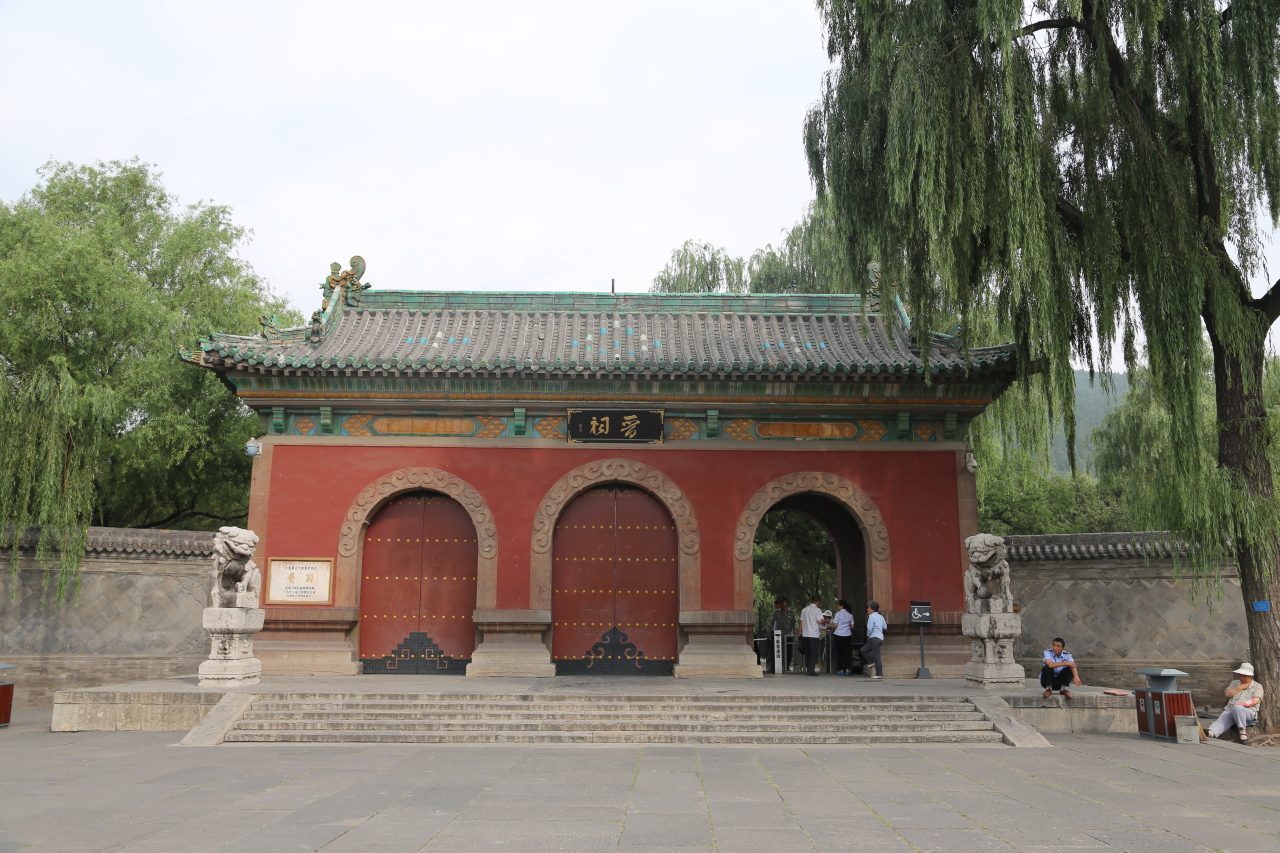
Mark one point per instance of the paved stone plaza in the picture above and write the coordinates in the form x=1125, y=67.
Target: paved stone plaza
x=135, y=791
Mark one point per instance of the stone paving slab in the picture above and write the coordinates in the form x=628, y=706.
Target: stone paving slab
x=133, y=792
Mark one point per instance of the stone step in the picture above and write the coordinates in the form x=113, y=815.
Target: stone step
x=359, y=725
x=589, y=718
x=486, y=736
x=595, y=699
x=629, y=707
x=530, y=714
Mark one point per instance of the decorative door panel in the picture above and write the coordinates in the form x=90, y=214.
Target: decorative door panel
x=614, y=579
x=448, y=596
x=390, y=574
x=418, y=587
x=647, y=577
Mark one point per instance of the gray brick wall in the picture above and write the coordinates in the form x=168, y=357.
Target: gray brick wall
x=137, y=615
x=1119, y=610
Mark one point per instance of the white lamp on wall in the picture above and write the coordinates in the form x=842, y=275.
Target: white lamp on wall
x=252, y=447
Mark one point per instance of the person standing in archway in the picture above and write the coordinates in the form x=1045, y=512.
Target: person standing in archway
x=844, y=639
x=811, y=622
x=876, y=626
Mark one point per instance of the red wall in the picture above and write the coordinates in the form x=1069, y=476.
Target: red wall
x=313, y=486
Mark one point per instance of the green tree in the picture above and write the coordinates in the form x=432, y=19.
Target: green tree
x=1092, y=170
x=1133, y=453
x=1018, y=496
x=810, y=258
x=104, y=275
x=701, y=268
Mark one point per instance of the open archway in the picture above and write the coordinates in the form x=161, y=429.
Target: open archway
x=830, y=500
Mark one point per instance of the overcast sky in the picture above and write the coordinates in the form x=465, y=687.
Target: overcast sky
x=520, y=146
x=525, y=146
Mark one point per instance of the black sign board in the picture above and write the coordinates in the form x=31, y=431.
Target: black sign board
x=921, y=613
x=630, y=426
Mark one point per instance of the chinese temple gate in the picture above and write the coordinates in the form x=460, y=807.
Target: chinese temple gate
x=541, y=483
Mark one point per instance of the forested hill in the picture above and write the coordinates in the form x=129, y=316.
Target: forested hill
x=1092, y=405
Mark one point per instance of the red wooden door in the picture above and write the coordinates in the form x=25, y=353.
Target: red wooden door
x=418, y=587
x=614, y=580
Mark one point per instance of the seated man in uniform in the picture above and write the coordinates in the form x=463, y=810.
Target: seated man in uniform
x=1244, y=695
x=1059, y=670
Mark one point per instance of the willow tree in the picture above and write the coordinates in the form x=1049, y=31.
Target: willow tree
x=103, y=275
x=701, y=268
x=1094, y=171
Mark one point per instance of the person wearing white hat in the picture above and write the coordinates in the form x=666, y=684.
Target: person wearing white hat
x=1244, y=695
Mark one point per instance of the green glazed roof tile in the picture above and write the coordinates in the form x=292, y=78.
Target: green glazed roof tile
x=537, y=333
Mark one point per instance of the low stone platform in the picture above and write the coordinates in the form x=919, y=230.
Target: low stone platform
x=617, y=709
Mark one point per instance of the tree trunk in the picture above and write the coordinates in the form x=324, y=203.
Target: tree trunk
x=1242, y=450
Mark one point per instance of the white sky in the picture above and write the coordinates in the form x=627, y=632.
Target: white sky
x=523, y=146
x=518, y=146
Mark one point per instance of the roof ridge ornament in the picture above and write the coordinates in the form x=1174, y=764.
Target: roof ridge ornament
x=346, y=281
x=271, y=329
x=873, y=292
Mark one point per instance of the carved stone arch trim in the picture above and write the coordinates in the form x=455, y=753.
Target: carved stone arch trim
x=599, y=473
x=374, y=495
x=844, y=492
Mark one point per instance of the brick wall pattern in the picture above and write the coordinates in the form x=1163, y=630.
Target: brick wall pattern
x=137, y=615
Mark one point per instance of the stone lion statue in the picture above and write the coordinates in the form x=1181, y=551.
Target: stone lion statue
x=236, y=578
x=986, y=582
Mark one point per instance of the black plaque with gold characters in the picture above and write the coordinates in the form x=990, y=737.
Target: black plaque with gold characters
x=632, y=426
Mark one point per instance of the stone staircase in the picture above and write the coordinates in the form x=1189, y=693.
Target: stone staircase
x=593, y=718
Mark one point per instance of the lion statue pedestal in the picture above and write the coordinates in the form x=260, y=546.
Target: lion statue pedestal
x=234, y=616
x=990, y=621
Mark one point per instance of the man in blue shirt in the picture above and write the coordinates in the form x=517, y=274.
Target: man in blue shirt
x=876, y=626
x=1059, y=670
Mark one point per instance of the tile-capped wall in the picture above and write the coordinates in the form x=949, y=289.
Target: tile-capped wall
x=137, y=615
x=1120, y=611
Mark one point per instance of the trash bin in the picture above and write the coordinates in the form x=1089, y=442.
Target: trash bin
x=1160, y=703
x=1188, y=729
x=6, y=697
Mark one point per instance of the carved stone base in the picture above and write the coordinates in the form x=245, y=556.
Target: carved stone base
x=994, y=676
x=993, y=665
x=991, y=626
x=231, y=662
x=512, y=644
x=718, y=646
x=244, y=672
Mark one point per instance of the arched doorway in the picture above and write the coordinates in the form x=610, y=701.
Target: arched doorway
x=418, y=586
x=614, y=585
x=847, y=577
x=809, y=545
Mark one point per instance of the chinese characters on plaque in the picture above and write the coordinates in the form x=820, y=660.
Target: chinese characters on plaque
x=300, y=582
x=635, y=426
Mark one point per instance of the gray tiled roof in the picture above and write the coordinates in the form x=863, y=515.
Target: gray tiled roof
x=132, y=540
x=1093, y=546
x=542, y=333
